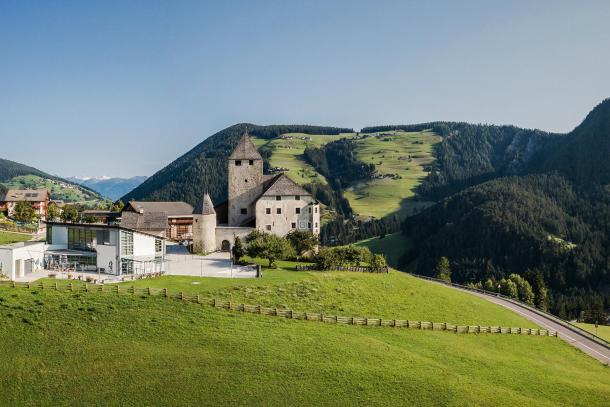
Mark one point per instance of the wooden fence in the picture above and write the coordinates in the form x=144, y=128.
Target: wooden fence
x=386, y=269
x=283, y=312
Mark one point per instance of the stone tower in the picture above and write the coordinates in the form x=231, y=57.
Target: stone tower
x=204, y=226
x=245, y=181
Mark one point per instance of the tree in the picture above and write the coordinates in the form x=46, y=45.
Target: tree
x=268, y=246
x=53, y=211
x=509, y=288
x=24, y=212
x=117, y=206
x=524, y=289
x=443, y=269
x=238, y=250
x=69, y=214
x=377, y=261
x=302, y=241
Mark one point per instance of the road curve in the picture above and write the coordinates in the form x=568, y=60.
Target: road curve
x=571, y=336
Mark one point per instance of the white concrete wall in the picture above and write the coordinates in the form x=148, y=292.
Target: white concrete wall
x=229, y=233
x=107, y=254
x=281, y=224
x=143, y=245
x=14, y=259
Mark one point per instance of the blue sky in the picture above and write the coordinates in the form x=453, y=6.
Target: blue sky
x=123, y=88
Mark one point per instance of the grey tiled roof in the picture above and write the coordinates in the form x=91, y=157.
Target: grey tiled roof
x=282, y=185
x=205, y=207
x=170, y=208
x=145, y=221
x=245, y=150
x=30, y=195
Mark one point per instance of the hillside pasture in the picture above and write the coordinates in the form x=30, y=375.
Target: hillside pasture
x=10, y=237
x=392, y=246
x=103, y=349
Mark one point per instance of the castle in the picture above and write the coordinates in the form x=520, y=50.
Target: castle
x=269, y=203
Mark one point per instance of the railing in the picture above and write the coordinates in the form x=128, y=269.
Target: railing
x=287, y=313
x=360, y=269
x=564, y=323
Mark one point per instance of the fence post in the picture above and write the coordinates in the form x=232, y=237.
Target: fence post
x=165, y=292
x=198, y=299
x=70, y=286
x=55, y=286
x=12, y=284
x=181, y=295
x=86, y=288
x=28, y=284
x=149, y=291
x=117, y=288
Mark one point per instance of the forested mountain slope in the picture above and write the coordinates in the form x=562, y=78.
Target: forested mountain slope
x=204, y=168
x=553, y=221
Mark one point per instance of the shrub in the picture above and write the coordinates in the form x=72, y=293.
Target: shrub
x=238, y=250
x=443, y=269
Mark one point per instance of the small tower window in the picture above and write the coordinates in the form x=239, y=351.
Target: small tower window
x=244, y=211
x=316, y=224
x=278, y=197
x=237, y=163
x=308, y=225
x=246, y=181
x=294, y=225
x=309, y=210
x=278, y=211
x=297, y=197
x=268, y=227
x=251, y=162
x=268, y=211
x=297, y=210
x=316, y=209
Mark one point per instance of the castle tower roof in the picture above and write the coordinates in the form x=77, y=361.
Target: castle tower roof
x=205, y=207
x=245, y=150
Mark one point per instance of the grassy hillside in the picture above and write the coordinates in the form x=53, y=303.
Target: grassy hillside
x=391, y=246
x=8, y=237
x=86, y=349
x=603, y=331
x=401, y=160
x=59, y=189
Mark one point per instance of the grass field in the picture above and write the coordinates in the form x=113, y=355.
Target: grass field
x=9, y=237
x=397, y=153
x=603, y=331
x=103, y=349
x=392, y=246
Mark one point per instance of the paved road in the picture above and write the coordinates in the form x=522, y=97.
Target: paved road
x=574, y=338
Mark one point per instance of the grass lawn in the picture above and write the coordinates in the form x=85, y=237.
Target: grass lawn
x=394, y=295
x=392, y=246
x=603, y=331
x=9, y=237
x=104, y=349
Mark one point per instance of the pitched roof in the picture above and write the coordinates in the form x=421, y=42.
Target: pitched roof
x=30, y=195
x=169, y=208
x=245, y=150
x=145, y=221
x=205, y=207
x=282, y=185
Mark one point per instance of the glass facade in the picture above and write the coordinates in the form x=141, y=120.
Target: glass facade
x=81, y=239
x=126, y=243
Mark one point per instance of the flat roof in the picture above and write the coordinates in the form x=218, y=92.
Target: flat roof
x=20, y=244
x=102, y=226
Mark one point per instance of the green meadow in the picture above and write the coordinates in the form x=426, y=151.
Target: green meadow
x=392, y=246
x=10, y=237
x=62, y=348
x=603, y=331
x=400, y=158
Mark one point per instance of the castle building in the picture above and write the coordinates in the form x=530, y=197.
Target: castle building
x=269, y=203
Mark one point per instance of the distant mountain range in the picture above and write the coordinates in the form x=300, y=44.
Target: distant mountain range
x=113, y=188
x=14, y=175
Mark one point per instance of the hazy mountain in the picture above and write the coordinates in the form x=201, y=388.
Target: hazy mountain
x=113, y=188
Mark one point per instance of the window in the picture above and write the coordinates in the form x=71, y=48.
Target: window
x=126, y=243
x=268, y=227
x=294, y=225
x=246, y=181
x=316, y=209
x=244, y=211
x=309, y=210
x=268, y=211
x=278, y=211
x=81, y=239
x=308, y=225
x=237, y=163
x=297, y=197
x=297, y=210
x=316, y=224
x=158, y=246
x=278, y=198
x=49, y=234
x=251, y=162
